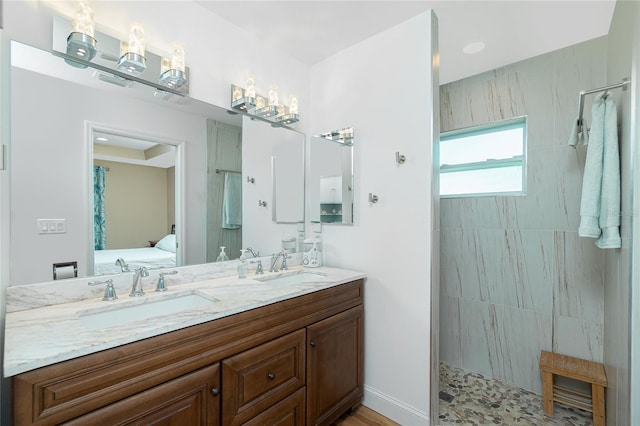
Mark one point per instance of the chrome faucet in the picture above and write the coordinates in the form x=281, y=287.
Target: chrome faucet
x=253, y=252
x=122, y=264
x=161, y=286
x=136, y=288
x=259, y=270
x=274, y=261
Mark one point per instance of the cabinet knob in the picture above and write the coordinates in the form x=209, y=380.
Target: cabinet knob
x=215, y=391
x=271, y=376
x=313, y=343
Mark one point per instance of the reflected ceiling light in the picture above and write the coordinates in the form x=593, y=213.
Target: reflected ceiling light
x=81, y=42
x=132, y=60
x=172, y=71
x=474, y=47
x=101, y=139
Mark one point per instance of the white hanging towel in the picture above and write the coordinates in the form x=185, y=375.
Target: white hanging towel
x=600, y=204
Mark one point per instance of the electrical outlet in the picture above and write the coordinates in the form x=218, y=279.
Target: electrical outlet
x=52, y=226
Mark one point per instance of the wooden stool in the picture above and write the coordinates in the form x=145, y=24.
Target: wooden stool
x=578, y=369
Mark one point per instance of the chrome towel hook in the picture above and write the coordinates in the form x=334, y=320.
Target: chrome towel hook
x=400, y=159
x=373, y=198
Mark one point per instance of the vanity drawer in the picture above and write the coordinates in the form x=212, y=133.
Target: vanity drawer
x=255, y=379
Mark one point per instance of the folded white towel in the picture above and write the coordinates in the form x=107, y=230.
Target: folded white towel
x=600, y=204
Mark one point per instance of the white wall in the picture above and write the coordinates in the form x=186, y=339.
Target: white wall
x=383, y=87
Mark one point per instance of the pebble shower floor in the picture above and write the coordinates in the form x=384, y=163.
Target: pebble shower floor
x=478, y=400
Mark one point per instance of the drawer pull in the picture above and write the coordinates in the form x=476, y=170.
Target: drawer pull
x=271, y=376
x=313, y=343
x=215, y=391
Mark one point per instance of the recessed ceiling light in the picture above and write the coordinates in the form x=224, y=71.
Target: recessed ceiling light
x=102, y=139
x=475, y=47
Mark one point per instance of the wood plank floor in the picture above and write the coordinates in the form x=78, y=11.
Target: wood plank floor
x=365, y=417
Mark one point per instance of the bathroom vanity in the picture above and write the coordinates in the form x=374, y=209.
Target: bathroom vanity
x=292, y=359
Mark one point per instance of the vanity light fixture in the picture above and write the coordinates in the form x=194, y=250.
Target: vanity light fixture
x=81, y=42
x=270, y=110
x=244, y=99
x=172, y=71
x=132, y=60
x=265, y=108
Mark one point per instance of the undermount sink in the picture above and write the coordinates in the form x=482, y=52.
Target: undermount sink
x=126, y=313
x=295, y=277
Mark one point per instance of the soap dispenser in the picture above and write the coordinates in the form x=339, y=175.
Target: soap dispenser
x=222, y=257
x=243, y=265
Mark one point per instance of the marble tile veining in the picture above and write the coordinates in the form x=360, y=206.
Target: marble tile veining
x=478, y=400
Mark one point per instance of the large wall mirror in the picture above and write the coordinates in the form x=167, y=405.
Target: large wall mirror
x=164, y=160
x=331, y=177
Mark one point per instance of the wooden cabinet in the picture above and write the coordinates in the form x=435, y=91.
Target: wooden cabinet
x=294, y=362
x=334, y=366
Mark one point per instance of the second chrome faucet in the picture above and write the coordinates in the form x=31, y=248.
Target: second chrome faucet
x=136, y=287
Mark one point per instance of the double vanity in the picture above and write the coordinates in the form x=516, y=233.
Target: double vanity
x=279, y=348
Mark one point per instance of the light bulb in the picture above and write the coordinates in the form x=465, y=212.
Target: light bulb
x=273, y=97
x=165, y=65
x=177, y=57
x=293, y=107
x=136, y=39
x=237, y=93
x=83, y=20
x=250, y=90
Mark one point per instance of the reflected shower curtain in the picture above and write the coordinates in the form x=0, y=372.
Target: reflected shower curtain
x=100, y=237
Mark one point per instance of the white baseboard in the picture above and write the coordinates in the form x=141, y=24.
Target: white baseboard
x=394, y=409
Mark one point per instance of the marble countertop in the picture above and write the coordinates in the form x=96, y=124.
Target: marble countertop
x=46, y=335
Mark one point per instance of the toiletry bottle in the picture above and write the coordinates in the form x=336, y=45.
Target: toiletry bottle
x=243, y=265
x=222, y=257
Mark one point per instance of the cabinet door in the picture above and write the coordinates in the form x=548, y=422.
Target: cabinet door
x=334, y=366
x=256, y=379
x=188, y=400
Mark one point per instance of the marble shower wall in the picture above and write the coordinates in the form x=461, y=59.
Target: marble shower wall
x=515, y=276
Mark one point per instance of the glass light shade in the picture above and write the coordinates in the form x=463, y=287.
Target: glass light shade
x=250, y=90
x=293, y=107
x=236, y=94
x=273, y=97
x=83, y=20
x=177, y=57
x=136, y=39
x=124, y=47
x=165, y=65
x=259, y=102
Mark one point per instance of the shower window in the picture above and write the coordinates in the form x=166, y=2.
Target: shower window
x=484, y=160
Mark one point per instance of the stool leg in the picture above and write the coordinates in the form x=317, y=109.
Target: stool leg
x=597, y=400
x=547, y=392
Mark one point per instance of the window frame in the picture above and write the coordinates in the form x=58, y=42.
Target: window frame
x=489, y=164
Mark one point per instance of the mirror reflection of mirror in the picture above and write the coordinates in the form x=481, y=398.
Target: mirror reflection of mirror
x=331, y=176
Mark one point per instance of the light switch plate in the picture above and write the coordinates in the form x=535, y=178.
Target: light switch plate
x=52, y=226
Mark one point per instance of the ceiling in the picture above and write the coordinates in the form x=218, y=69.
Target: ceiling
x=512, y=30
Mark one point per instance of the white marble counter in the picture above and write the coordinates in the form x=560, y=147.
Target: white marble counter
x=46, y=335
